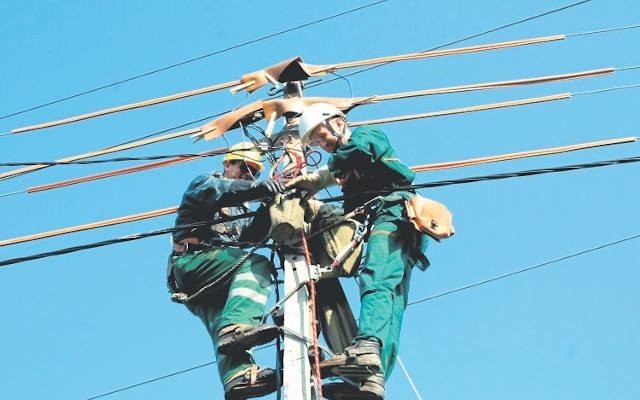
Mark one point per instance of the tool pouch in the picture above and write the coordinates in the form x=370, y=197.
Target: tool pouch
x=326, y=246
x=430, y=217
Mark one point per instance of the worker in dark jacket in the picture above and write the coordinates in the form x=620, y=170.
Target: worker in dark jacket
x=225, y=286
x=363, y=161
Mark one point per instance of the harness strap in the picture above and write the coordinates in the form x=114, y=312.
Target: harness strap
x=184, y=298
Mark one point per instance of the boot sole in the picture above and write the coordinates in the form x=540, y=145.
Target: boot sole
x=235, y=344
x=366, y=366
x=357, y=372
x=344, y=391
x=241, y=392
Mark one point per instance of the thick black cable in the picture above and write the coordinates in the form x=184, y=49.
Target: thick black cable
x=123, y=239
x=464, y=39
x=495, y=177
x=519, y=271
x=576, y=254
x=155, y=71
x=337, y=198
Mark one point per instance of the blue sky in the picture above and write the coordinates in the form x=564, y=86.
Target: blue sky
x=79, y=325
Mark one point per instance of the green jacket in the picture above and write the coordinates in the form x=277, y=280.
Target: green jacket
x=368, y=162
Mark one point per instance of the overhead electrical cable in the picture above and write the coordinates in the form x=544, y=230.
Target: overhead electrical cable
x=413, y=386
x=93, y=225
x=225, y=150
x=254, y=107
x=123, y=239
x=250, y=81
x=483, y=107
x=204, y=154
x=411, y=303
x=416, y=168
x=276, y=108
x=131, y=145
x=495, y=177
x=609, y=89
x=155, y=71
x=520, y=271
x=606, y=30
x=516, y=174
x=426, y=92
x=465, y=38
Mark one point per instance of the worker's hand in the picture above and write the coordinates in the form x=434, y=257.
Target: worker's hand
x=306, y=183
x=313, y=182
x=270, y=187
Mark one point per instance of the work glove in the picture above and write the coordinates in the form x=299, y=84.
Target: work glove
x=268, y=187
x=313, y=182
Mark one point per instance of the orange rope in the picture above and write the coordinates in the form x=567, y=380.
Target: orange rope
x=314, y=323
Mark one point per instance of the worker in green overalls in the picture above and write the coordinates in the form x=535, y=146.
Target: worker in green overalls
x=362, y=161
x=229, y=287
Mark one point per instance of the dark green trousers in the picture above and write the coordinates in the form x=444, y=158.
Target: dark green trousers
x=240, y=300
x=384, y=285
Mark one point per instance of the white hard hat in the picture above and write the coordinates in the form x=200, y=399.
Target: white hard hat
x=313, y=116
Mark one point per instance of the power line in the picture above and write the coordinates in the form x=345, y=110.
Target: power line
x=495, y=177
x=135, y=385
x=576, y=254
x=110, y=148
x=123, y=159
x=519, y=271
x=609, y=89
x=123, y=239
x=473, y=36
x=628, y=68
x=158, y=133
x=338, y=198
x=155, y=71
x=620, y=28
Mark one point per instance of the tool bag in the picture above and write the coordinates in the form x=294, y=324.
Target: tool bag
x=326, y=246
x=430, y=217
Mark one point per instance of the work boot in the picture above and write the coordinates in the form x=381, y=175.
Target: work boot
x=252, y=382
x=236, y=338
x=327, y=366
x=362, y=360
x=371, y=388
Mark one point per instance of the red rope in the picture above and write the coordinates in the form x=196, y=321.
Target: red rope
x=314, y=324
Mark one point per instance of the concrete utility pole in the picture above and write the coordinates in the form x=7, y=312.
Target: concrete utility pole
x=298, y=374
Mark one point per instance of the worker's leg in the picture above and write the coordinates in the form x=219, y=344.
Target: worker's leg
x=240, y=326
x=248, y=291
x=391, y=344
x=238, y=373
x=228, y=365
x=379, y=280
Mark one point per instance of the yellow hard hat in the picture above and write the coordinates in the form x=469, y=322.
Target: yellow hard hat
x=247, y=152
